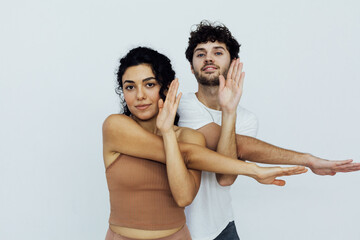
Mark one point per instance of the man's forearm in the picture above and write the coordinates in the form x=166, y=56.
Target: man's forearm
x=227, y=146
x=252, y=149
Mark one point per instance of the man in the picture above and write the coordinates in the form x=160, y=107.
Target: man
x=214, y=111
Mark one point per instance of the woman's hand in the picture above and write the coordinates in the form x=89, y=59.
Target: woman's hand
x=268, y=175
x=167, y=110
x=230, y=90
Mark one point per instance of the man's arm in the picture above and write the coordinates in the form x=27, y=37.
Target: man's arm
x=252, y=149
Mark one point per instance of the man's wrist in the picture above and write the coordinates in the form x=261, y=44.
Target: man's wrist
x=307, y=160
x=228, y=113
x=228, y=117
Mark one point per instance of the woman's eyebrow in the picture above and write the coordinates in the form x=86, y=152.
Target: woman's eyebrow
x=148, y=79
x=144, y=80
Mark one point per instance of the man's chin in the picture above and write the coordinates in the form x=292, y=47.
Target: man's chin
x=211, y=79
x=207, y=82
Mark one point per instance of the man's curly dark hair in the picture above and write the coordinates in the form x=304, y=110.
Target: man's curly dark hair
x=207, y=31
x=160, y=65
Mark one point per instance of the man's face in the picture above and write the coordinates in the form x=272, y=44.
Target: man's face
x=210, y=60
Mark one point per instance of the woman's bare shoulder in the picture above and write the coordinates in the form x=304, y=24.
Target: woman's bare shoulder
x=189, y=135
x=116, y=121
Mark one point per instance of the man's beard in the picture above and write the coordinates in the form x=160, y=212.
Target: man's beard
x=209, y=79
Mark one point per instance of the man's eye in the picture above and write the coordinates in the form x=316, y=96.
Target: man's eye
x=218, y=53
x=200, y=55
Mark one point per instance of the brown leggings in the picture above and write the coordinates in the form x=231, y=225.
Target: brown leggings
x=182, y=234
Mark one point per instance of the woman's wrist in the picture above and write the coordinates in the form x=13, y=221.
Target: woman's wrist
x=253, y=170
x=168, y=133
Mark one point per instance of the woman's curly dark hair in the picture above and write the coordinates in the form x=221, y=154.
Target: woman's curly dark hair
x=207, y=31
x=160, y=65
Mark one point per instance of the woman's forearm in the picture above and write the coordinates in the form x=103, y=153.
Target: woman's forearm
x=122, y=135
x=197, y=157
x=182, y=181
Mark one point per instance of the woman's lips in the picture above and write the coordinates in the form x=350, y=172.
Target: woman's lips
x=143, y=106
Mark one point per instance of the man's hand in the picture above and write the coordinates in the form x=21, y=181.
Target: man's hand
x=325, y=167
x=230, y=90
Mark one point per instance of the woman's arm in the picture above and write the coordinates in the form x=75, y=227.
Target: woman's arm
x=121, y=134
x=229, y=94
x=184, y=183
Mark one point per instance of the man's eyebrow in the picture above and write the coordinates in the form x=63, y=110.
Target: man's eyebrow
x=199, y=49
x=203, y=49
x=219, y=47
x=144, y=80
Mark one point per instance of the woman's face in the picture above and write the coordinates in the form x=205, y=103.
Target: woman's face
x=141, y=91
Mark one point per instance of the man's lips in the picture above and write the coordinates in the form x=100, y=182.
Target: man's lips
x=209, y=68
x=142, y=106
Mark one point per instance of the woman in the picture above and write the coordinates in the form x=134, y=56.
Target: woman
x=148, y=197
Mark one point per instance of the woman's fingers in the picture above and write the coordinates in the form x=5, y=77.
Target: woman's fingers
x=279, y=182
x=293, y=171
x=160, y=104
x=177, y=101
x=172, y=101
x=171, y=95
x=171, y=92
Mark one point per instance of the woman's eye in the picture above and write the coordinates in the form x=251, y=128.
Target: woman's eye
x=150, y=84
x=129, y=87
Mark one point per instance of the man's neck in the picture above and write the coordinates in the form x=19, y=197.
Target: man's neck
x=208, y=95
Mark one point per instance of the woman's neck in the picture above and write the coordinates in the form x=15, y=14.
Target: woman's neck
x=149, y=125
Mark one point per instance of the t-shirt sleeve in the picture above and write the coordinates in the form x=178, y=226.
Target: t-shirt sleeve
x=192, y=114
x=249, y=123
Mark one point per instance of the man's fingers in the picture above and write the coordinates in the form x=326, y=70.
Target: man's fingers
x=343, y=162
x=347, y=168
x=221, y=82
x=237, y=77
x=235, y=70
x=231, y=68
x=241, y=81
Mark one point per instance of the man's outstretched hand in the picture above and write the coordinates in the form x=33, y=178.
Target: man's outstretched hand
x=326, y=167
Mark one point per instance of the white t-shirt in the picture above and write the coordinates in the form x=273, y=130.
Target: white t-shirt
x=211, y=210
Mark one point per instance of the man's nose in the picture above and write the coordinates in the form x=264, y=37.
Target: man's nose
x=209, y=58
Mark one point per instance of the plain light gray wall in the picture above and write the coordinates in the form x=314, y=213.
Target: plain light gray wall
x=58, y=60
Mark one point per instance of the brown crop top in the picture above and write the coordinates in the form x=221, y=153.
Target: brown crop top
x=140, y=195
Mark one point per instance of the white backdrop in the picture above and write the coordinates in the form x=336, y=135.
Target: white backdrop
x=57, y=61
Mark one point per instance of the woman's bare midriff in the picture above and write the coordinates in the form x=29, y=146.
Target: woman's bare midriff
x=143, y=234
